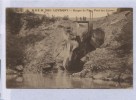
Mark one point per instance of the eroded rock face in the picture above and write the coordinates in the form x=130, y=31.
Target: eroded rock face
x=115, y=55
x=62, y=42
x=90, y=41
x=97, y=38
x=75, y=63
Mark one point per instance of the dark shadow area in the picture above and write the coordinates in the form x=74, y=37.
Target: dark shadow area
x=75, y=64
x=89, y=43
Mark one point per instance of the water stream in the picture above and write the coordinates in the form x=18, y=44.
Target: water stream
x=60, y=80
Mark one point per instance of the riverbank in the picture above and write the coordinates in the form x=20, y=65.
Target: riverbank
x=60, y=80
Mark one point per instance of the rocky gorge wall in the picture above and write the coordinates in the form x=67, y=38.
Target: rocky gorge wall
x=113, y=60
x=52, y=43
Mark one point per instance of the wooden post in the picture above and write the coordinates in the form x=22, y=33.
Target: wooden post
x=90, y=22
x=90, y=15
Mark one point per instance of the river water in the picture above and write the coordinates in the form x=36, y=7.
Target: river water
x=60, y=80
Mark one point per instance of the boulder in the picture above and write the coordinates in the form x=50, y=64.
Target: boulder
x=19, y=79
x=19, y=68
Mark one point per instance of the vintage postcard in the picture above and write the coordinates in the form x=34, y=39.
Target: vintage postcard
x=69, y=48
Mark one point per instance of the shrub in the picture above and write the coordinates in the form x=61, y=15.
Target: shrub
x=33, y=21
x=66, y=17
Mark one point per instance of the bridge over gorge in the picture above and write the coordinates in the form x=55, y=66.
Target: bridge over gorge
x=84, y=20
x=80, y=46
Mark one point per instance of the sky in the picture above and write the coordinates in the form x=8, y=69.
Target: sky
x=73, y=12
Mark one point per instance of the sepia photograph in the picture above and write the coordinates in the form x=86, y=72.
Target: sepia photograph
x=69, y=48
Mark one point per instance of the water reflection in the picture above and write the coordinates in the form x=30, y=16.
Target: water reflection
x=60, y=79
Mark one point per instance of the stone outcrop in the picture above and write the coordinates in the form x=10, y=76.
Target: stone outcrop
x=115, y=54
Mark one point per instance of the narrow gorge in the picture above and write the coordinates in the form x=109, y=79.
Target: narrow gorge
x=101, y=49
